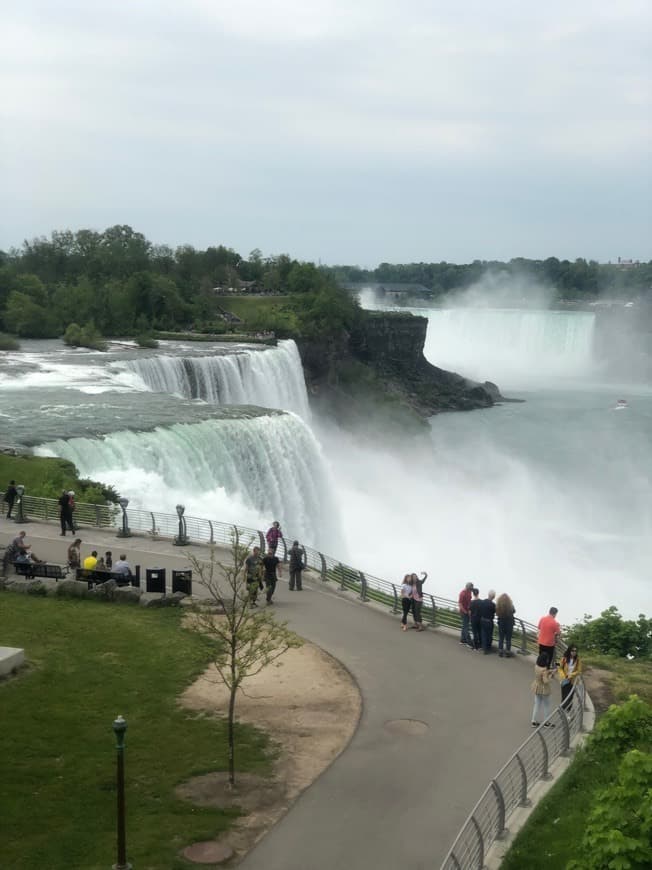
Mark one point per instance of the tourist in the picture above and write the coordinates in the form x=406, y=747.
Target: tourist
x=121, y=566
x=541, y=688
x=487, y=614
x=108, y=560
x=549, y=634
x=253, y=564
x=464, y=603
x=476, y=621
x=505, y=613
x=72, y=506
x=24, y=557
x=74, y=554
x=297, y=557
x=406, y=599
x=65, y=512
x=10, y=497
x=90, y=562
x=13, y=549
x=570, y=668
x=417, y=598
x=273, y=536
x=270, y=566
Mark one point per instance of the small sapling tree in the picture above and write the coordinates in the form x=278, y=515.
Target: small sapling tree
x=246, y=640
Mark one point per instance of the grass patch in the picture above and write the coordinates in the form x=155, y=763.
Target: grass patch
x=251, y=307
x=45, y=477
x=89, y=662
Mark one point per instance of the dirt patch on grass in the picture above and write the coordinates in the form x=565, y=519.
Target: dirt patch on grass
x=598, y=684
x=310, y=705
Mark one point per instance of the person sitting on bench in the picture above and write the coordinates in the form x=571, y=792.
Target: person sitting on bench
x=121, y=566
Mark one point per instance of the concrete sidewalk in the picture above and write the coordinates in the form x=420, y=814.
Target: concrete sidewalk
x=394, y=798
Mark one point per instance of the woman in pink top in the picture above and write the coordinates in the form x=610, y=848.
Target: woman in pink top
x=417, y=598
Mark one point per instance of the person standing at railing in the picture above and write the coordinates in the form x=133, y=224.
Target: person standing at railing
x=487, y=615
x=10, y=497
x=542, y=691
x=297, y=564
x=464, y=605
x=417, y=598
x=476, y=619
x=72, y=506
x=505, y=611
x=406, y=599
x=549, y=634
x=65, y=512
x=570, y=668
x=273, y=536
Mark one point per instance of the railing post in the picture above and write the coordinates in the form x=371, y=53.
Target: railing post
x=566, y=729
x=523, y=650
x=433, y=615
x=525, y=800
x=480, y=842
x=500, y=800
x=546, y=758
x=212, y=538
x=363, y=587
x=395, y=605
x=153, y=524
x=323, y=566
x=285, y=550
x=341, y=569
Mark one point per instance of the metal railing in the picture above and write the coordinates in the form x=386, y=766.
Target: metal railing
x=509, y=789
x=436, y=611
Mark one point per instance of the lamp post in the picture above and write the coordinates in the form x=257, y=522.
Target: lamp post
x=119, y=728
x=124, y=531
x=20, y=510
x=181, y=539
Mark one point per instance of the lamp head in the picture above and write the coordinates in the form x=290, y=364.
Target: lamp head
x=123, y=502
x=181, y=510
x=20, y=489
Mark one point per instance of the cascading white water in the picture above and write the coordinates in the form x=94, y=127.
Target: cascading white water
x=271, y=378
x=253, y=470
x=510, y=346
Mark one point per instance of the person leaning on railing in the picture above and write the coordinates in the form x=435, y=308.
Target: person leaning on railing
x=542, y=691
x=570, y=669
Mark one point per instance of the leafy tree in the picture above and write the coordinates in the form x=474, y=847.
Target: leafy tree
x=86, y=336
x=26, y=318
x=245, y=640
x=612, y=635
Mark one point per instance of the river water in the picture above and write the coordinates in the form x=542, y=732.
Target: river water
x=547, y=499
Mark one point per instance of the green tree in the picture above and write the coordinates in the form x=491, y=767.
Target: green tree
x=612, y=635
x=28, y=319
x=245, y=640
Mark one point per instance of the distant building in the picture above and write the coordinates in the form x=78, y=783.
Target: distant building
x=627, y=264
x=390, y=291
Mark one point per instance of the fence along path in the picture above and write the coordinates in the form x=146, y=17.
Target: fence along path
x=510, y=787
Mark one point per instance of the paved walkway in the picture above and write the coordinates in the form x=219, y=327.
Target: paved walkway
x=391, y=801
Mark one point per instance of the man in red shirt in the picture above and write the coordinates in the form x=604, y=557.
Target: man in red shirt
x=549, y=634
x=464, y=602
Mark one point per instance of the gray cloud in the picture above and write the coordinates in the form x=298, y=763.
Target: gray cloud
x=347, y=131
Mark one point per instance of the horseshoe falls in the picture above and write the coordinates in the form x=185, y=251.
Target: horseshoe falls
x=270, y=378
x=251, y=471
x=514, y=347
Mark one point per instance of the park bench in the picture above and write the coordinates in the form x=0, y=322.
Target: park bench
x=39, y=569
x=95, y=576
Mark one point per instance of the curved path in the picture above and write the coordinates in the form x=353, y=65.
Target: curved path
x=391, y=799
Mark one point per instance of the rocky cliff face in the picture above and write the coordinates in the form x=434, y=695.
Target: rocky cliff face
x=380, y=366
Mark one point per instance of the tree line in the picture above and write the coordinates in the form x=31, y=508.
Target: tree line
x=118, y=283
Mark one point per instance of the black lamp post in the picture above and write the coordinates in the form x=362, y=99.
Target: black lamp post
x=20, y=509
x=181, y=539
x=124, y=531
x=119, y=728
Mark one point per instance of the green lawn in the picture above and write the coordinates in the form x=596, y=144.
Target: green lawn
x=88, y=662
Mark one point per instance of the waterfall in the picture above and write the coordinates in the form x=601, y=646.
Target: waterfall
x=270, y=378
x=508, y=345
x=268, y=467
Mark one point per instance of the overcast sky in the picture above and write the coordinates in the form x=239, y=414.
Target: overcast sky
x=346, y=131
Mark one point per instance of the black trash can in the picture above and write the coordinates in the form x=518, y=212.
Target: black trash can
x=155, y=580
x=182, y=581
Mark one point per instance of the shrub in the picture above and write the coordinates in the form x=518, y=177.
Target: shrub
x=146, y=340
x=8, y=342
x=619, y=829
x=621, y=727
x=86, y=336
